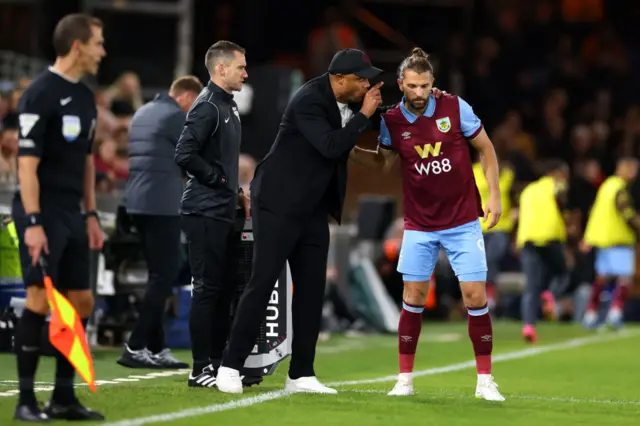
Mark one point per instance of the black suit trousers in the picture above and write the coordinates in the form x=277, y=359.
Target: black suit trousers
x=212, y=256
x=304, y=242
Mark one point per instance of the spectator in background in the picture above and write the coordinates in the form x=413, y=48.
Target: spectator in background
x=4, y=106
x=107, y=161
x=332, y=35
x=107, y=123
x=152, y=197
x=125, y=95
x=9, y=150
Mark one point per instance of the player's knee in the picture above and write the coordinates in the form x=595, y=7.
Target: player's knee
x=83, y=302
x=473, y=293
x=625, y=281
x=36, y=300
x=415, y=292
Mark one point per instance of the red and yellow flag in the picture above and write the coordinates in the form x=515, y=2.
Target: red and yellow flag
x=67, y=334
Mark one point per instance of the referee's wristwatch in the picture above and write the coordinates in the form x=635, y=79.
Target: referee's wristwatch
x=92, y=213
x=34, y=219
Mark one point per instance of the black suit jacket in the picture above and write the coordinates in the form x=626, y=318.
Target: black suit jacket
x=306, y=168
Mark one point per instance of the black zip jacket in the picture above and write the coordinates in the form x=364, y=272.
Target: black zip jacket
x=208, y=152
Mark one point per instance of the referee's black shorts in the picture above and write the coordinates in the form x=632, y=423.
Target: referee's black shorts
x=68, y=258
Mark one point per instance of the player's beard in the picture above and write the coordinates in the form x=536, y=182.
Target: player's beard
x=418, y=105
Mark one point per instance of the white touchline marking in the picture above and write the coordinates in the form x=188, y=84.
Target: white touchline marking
x=510, y=396
x=269, y=396
x=131, y=378
x=343, y=347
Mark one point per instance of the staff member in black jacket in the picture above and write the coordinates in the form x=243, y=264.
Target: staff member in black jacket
x=208, y=151
x=299, y=183
x=152, y=198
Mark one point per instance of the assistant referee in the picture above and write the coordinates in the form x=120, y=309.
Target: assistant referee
x=208, y=151
x=57, y=115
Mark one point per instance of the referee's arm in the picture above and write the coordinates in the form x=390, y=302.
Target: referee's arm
x=201, y=123
x=33, y=115
x=89, y=198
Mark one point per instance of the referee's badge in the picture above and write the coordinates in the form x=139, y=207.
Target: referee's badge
x=444, y=124
x=71, y=127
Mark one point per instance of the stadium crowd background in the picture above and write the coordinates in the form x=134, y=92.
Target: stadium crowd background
x=549, y=79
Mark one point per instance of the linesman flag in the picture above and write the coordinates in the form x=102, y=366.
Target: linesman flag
x=66, y=332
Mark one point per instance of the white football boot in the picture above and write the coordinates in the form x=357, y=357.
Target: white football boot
x=404, y=386
x=487, y=389
x=309, y=384
x=228, y=380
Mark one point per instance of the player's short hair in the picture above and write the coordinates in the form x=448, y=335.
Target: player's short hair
x=221, y=50
x=628, y=160
x=555, y=165
x=418, y=61
x=76, y=26
x=188, y=83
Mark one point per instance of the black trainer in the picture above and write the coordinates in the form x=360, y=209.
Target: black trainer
x=248, y=381
x=166, y=359
x=73, y=412
x=30, y=413
x=138, y=359
x=206, y=379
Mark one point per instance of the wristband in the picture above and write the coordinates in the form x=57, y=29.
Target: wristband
x=92, y=213
x=34, y=219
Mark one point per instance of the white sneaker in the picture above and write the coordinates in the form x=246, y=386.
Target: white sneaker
x=307, y=384
x=229, y=380
x=590, y=320
x=487, y=389
x=614, y=318
x=404, y=386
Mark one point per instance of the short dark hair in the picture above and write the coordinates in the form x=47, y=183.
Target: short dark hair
x=418, y=61
x=219, y=50
x=188, y=83
x=76, y=26
x=554, y=165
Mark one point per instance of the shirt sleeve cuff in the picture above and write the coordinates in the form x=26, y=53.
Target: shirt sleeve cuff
x=361, y=122
x=476, y=133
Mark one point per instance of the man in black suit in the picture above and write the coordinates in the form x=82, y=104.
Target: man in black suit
x=300, y=182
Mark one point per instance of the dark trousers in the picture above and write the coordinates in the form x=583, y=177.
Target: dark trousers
x=212, y=257
x=496, y=245
x=304, y=243
x=541, y=265
x=160, y=237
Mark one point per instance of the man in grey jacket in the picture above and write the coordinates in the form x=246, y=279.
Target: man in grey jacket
x=153, y=194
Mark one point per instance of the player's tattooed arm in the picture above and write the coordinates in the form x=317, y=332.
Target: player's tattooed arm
x=382, y=157
x=626, y=209
x=374, y=158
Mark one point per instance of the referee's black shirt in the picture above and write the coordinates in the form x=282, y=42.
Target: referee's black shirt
x=208, y=151
x=57, y=122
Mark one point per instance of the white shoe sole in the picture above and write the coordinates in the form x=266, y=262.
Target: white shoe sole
x=403, y=393
x=228, y=388
x=501, y=399
x=296, y=389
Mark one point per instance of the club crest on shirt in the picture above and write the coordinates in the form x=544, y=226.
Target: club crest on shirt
x=235, y=111
x=71, y=127
x=444, y=124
